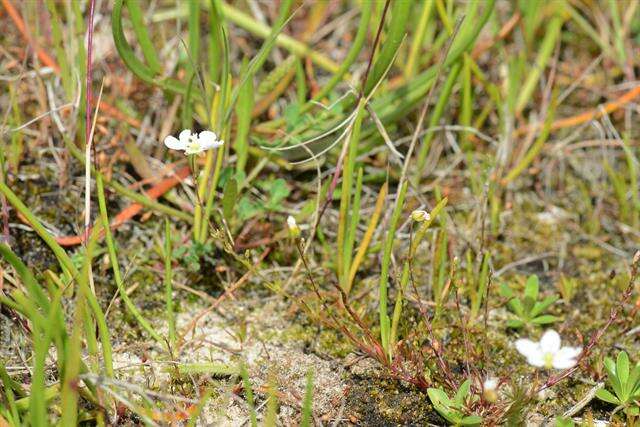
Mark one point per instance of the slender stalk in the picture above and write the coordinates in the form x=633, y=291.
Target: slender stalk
x=87, y=139
x=385, y=324
x=168, y=283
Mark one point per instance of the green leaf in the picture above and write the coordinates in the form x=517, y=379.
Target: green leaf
x=442, y=405
x=541, y=306
x=517, y=307
x=633, y=410
x=634, y=376
x=634, y=381
x=438, y=397
x=278, y=191
x=515, y=323
x=532, y=287
x=564, y=422
x=610, y=367
x=229, y=198
x=462, y=393
x=506, y=291
x=622, y=368
x=471, y=420
x=225, y=175
x=607, y=396
x=247, y=209
x=544, y=319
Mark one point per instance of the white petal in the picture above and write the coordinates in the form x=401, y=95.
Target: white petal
x=550, y=342
x=563, y=363
x=184, y=135
x=208, y=140
x=566, y=357
x=207, y=135
x=527, y=347
x=536, y=359
x=173, y=143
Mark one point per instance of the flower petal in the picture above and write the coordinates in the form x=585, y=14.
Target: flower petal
x=527, y=347
x=209, y=140
x=184, y=135
x=566, y=357
x=550, y=342
x=563, y=363
x=536, y=359
x=173, y=143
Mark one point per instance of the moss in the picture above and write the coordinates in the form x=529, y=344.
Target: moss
x=323, y=341
x=375, y=401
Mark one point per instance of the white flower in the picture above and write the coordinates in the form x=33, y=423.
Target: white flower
x=294, y=230
x=548, y=353
x=192, y=143
x=420, y=216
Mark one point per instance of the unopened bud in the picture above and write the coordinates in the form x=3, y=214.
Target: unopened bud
x=490, y=390
x=294, y=230
x=420, y=215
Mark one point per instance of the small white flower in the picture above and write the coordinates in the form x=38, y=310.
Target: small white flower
x=548, y=353
x=294, y=230
x=420, y=215
x=192, y=143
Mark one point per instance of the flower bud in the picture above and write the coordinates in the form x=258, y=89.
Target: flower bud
x=420, y=215
x=294, y=230
x=490, y=390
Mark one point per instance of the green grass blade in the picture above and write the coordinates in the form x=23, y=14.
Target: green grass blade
x=551, y=37
x=140, y=29
x=537, y=145
x=115, y=266
x=385, y=326
x=418, y=39
x=345, y=196
x=393, y=39
x=244, y=108
x=129, y=58
x=56, y=32
x=354, y=220
x=436, y=114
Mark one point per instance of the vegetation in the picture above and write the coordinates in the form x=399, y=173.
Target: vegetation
x=320, y=213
